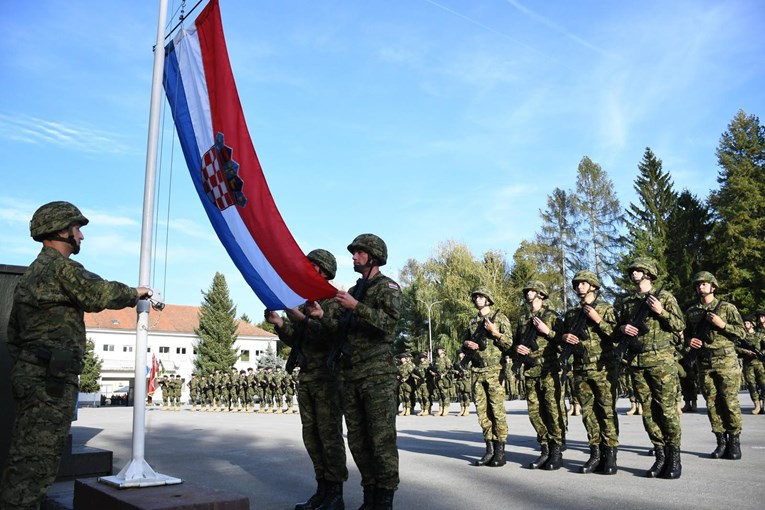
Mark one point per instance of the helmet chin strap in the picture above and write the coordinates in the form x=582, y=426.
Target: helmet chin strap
x=69, y=239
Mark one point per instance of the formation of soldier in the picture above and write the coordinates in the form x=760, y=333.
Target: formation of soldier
x=269, y=390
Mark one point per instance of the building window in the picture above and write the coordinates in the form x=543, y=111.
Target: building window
x=245, y=356
x=258, y=353
x=180, y=350
x=127, y=348
x=108, y=348
x=164, y=350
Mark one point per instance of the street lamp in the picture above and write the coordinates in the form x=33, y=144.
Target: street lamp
x=430, y=331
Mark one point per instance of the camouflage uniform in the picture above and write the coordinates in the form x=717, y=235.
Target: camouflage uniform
x=654, y=369
x=754, y=369
x=46, y=341
x=420, y=376
x=461, y=378
x=405, y=384
x=719, y=366
x=440, y=373
x=261, y=384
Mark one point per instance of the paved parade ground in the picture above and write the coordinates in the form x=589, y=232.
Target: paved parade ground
x=262, y=457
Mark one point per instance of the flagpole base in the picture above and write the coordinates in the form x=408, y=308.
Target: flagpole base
x=137, y=474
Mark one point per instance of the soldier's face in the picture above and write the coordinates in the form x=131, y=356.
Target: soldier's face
x=479, y=300
x=360, y=260
x=637, y=275
x=704, y=288
x=531, y=295
x=582, y=288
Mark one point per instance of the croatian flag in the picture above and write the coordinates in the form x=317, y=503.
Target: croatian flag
x=225, y=169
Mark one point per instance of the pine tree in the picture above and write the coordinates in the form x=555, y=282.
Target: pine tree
x=91, y=371
x=269, y=359
x=557, y=243
x=598, y=217
x=738, y=208
x=689, y=225
x=217, y=329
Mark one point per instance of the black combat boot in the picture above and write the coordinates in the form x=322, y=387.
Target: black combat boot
x=733, y=451
x=383, y=499
x=556, y=457
x=486, y=456
x=315, y=500
x=369, y=497
x=593, y=461
x=722, y=446
x=542, y=460
x=333, y=498
x=499, y=455
x=657, y=467
x=672, y=468
x=609, y=468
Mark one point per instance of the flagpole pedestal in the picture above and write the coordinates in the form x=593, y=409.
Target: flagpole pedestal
x=89, y=494
x=138, y=473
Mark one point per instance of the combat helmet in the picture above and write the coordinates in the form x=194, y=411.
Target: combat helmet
x=371, y=244
x=645, y=264
x=54, y=217
x=538, y=286
x=586, y=276
x=484, y=291
x=705, y=276
x=325, y=260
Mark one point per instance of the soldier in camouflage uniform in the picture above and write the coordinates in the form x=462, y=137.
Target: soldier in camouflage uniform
x=405, y=383
x=461, y=378
x=544, y=395
x=177, y=389
x=216, y=385
x=718, y=361
x=289, y=392
x=440, y=374
x=371, y=310
x=278, y=386
x=46, y=341
x=595, y=371
x=204, y=392
x=260, y=386
x=654, y=368
x=251, y=390
x=194, y=399
x=164, y=385
x=754, y=369
x=319, y=392
x=420, y=377
x=487, y=336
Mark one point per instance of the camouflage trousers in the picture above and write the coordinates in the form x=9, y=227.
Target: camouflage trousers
x=321, y=414
x=370, y=417
x=544, y=398
x=656, y=389
x=754, y=375
x=722, y=378
x=689, y=382
x=489, y=396
x=405, y=394
x=423, y=396
x=38, y=438
x=595, y=390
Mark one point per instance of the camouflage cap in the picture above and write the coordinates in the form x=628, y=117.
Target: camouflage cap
x=538, y=286
x=371, y=244
x=483, y=291
x=53, y=217
x=440, y=348
x=705, y=276
x=404, y=355
x=586, y=276
x=646, y=265
x=325, y=260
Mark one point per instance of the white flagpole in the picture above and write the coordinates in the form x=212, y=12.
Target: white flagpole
x=138, y=473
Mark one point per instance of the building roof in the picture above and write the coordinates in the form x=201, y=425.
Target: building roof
x=173, y=319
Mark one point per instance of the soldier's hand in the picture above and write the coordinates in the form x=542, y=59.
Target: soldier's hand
x=715, y=320
x=143, y=292
x=490, y=327
x=274, y=318
x=748, y=353
x=655, y=305
x=522, y=350
x=471, y=345
x=314, y=309
x=695, y=343
x=346, y=300
x=630, y=330
x=295, y=315
x=570, y=338
x=592, y=314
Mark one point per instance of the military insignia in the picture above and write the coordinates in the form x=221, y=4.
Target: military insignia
x=392, y=285
x=220, y=176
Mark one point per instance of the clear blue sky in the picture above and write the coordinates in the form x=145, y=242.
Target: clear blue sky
x=421, y=121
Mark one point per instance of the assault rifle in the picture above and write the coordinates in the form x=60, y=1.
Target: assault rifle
x=629, y=346
x=578, y=329
x=342, y=350
x=750, y=347
x=702, y=331
x=529, y=340
x=479, y=337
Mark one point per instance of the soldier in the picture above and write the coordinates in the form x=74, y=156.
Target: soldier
x=715, y=327
x=537, y=351
x=461, y=384
x=278, y=386
x=204, y=392
x=217, y=390
x=487, y=336
x=405, y=383
x=367, y=326
x=165, y=386
x=439, y=373
x=194, y=392
x=46, y=341
x=754, y=369
x=319, y=393
x=261, y=383
x=289, y=391
x=420, y=376
x=251, y=390
x=654, y=368
x=270, y=405
x=587, y=328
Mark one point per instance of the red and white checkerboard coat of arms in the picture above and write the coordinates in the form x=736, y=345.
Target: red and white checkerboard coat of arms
x=220, y=177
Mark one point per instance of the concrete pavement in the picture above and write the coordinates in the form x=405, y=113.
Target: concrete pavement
x=262, y=457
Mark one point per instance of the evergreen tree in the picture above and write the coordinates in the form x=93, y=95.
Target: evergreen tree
x=557, y=244
x=246, y=318
x=598, y=217
x=737, y=241
x=91, y=371
x=647, y=221
x=689, y=225
x=269, y=359
x=217, y=329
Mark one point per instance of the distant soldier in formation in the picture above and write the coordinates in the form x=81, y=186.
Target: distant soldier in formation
x=440, y=374
x=261, y=382
x=461, y=378
x=754, y=368
x=289, y=392
x=654, y=367
x=251, y=390
x=194, y=398
x=269, y=398
x=278, y=386
x=714, y=327
x=588, y=327
x=405, y=383
x=544, y=396
x=420, y=376
x=488, y=335
x=164, y=385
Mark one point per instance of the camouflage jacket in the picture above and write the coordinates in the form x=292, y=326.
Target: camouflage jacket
x=492, y=355
x=723, y=341
x=50, y=302
x=546, y=357
x=598, y=347
x=659, y=343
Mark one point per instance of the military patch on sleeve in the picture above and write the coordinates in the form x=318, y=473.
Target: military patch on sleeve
x=393, y=285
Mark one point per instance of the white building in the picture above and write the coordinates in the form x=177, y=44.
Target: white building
x=171, y=339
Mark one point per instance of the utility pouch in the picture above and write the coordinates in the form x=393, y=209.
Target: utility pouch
x=61, y=363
